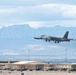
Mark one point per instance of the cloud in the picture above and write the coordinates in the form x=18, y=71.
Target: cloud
x=34, y=47
x=62, y=9
x=38, y=15
x=55, y=47
x=41, y=12
x=9, y=52
x=66, y=23
x=43, y=47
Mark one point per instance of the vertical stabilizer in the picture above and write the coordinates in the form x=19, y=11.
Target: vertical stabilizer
x=66, y=35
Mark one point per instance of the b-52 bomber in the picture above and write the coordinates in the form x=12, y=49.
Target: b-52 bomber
x=55, y=39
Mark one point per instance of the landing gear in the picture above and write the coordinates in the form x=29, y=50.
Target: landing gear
x=49, y=40
x=56, y=41
x=46, y=40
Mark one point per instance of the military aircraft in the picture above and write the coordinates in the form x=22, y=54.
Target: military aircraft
x=55, y=39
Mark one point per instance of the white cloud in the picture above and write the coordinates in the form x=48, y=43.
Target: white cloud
x=34, y=47
x=8, y=52
x=66, y=23
x=69, y=11
x=66, y=10
x=39, y=15
x=7, y=10
x=45, y=8
x=35, y=24
x=56, y=47
x=43, y=47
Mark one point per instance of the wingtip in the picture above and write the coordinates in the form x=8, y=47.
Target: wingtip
x=34, y=38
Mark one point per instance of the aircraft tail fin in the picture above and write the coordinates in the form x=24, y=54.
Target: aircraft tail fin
x=66, y=35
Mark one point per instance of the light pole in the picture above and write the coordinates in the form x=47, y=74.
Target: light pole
x=28, y=54
x=66, y=55
x=28, y=58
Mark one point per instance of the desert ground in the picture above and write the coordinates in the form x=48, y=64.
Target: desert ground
x=37, y=73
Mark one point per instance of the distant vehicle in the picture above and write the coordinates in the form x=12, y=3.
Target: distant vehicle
x=55, y=39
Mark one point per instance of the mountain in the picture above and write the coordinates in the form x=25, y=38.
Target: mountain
x=18, y=39
x=19, y=31
x=15, y=31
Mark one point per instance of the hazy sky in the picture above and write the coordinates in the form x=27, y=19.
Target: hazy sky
x=38, y=13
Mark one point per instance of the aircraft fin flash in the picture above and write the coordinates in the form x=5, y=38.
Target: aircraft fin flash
x=55, y=39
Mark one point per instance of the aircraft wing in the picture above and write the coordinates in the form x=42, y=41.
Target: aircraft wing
x=37, y=38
